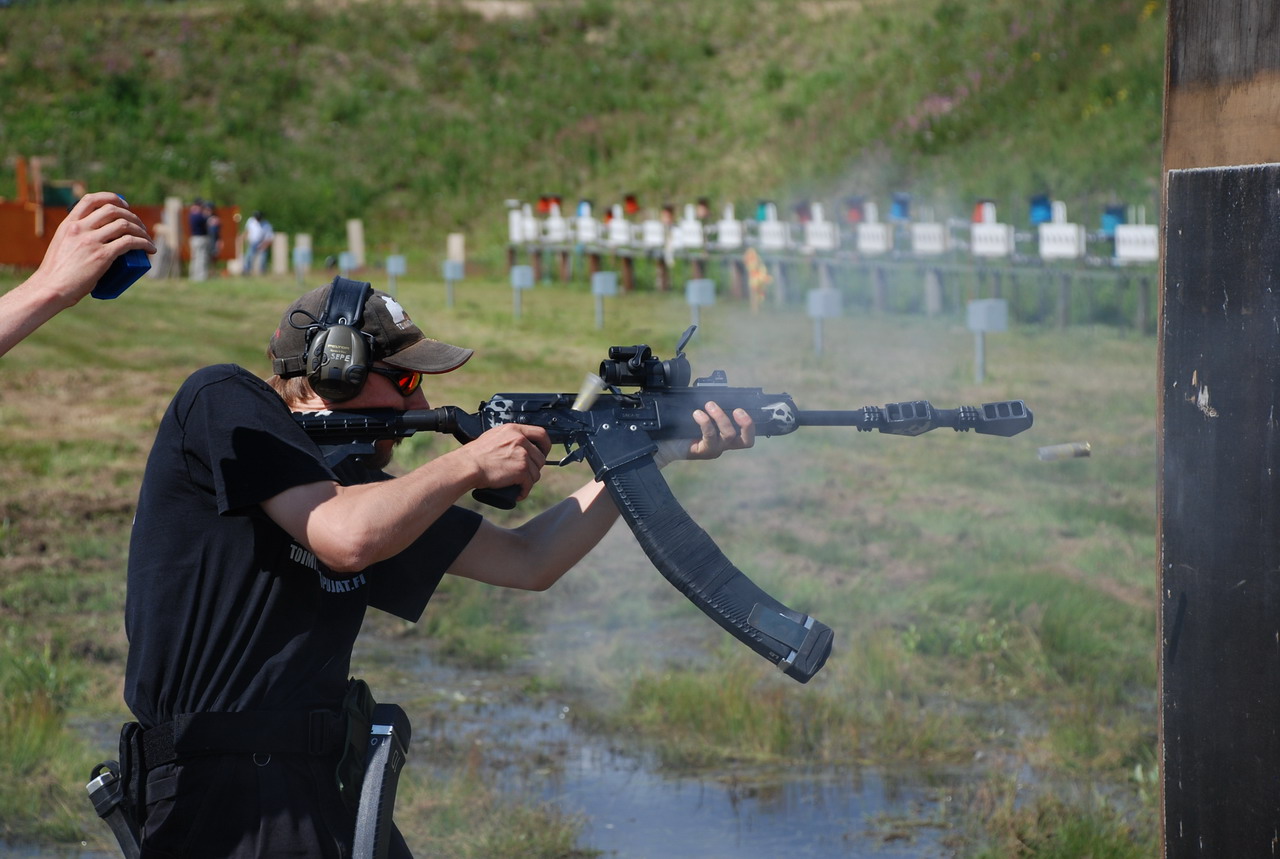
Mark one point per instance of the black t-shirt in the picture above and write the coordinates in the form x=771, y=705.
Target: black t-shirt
x=225, y=611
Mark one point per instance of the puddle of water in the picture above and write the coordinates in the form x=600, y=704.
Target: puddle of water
x=633, y=812
x=631, y=809
x=36, y=851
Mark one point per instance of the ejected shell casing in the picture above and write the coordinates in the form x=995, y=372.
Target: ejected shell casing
x=592, y=388
x=1070, y=450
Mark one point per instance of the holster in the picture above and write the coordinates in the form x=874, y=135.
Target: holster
x=357, y=715
x=115, y=791
x=133, y=777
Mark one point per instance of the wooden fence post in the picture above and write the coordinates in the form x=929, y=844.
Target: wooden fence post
x=1219, y=442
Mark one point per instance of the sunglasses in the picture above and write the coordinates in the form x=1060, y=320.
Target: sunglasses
x=406, y=381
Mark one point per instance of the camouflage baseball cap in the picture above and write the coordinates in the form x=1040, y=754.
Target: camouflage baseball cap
x=396, y=340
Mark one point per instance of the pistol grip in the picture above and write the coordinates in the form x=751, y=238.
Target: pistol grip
x=504, y=498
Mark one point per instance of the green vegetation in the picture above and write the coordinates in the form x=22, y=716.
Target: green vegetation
x=993, y=611
x=423, y=117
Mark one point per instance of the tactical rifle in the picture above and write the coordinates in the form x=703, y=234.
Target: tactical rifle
x=617, y=434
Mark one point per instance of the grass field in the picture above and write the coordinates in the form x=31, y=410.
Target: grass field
x=422, y=117
x=990, y=609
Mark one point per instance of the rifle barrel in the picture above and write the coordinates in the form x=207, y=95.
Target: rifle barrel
x=833, y=418
x=1005, y=418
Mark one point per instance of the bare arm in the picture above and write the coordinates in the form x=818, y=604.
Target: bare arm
x=350, y=527
x=536, y=554
x=99, y=229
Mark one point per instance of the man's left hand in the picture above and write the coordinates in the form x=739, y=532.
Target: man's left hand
x=720, y=432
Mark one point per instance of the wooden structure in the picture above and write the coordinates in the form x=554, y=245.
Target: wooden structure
x=1219, y=426
x=28, y=222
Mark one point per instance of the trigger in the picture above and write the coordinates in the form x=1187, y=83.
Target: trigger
x=572, y=456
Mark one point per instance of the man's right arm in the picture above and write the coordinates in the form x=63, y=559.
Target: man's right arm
x=348, y=528
x=97, y=230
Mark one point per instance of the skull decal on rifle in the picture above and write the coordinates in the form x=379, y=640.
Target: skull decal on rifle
x=782, y=417
x=499, y=410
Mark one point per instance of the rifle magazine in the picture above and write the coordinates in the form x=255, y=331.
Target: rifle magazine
x=688, y=558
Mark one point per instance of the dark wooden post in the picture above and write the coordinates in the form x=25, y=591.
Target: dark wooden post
x=933, y=291
x=879, y=290
x=1044, y=301
x=628, y=266
x=781, y=286
x=662, y=274
x=1142, y=309
x=737, y=278
x=1219, y=432
x=1064, y=299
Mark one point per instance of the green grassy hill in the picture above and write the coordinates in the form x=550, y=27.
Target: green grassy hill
x=422, y=117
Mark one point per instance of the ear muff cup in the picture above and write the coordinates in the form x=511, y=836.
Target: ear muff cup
x=339, y=353
x=338, y=362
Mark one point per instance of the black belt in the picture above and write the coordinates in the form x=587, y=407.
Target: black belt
x=317, y=732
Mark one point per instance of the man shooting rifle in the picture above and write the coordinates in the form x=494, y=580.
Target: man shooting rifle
x=253, y=560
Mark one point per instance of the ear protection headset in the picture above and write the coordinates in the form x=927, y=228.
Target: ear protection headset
x=339, y=354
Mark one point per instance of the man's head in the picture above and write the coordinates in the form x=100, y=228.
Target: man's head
x=331, y=339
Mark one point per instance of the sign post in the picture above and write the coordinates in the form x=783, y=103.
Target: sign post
x=521, y=279
x=824, y=303
x=453, y=271
x=986, y=314
x=699, y=292
x=396, y=267
x=604, y=284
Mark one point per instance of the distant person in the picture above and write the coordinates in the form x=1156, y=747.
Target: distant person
x=258, y=235
x=198, y=240
x=213, y=225
x=99, y=228
x=252, y=235
x=264, y=246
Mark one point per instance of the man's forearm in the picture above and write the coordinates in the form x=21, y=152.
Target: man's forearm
x=25, y=308
x=351, y=527
x=536, y=554
x=562, y=536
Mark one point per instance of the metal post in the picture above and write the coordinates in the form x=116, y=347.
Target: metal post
x=522, y=278
x=1064, y=300
x=603, y=283
x=453, y=270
